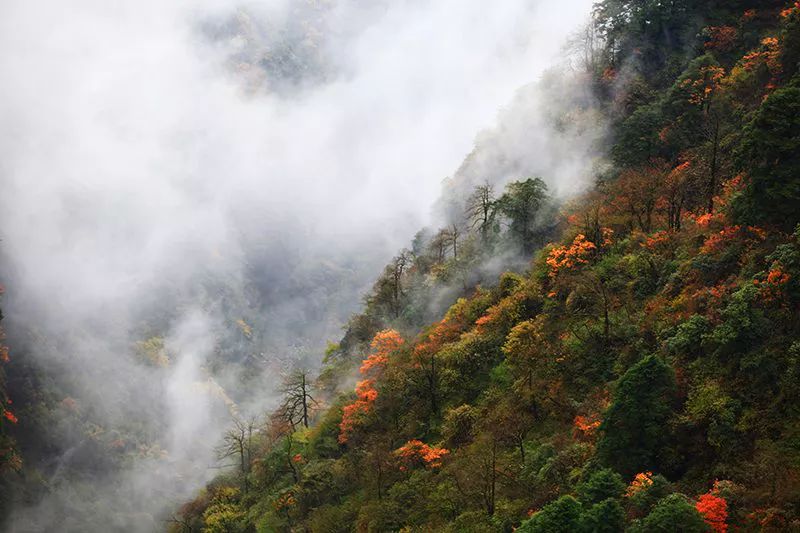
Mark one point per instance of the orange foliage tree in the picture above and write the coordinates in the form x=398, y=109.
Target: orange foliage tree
x=384, y=343
x=722, y=38
x=425, y=352
x=569, y=257
x=642, y=481
x=772, y=287
x=416, y=451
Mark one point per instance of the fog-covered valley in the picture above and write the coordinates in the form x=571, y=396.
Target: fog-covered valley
x=196, y=196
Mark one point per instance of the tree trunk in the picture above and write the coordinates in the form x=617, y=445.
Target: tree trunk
x=305, y=402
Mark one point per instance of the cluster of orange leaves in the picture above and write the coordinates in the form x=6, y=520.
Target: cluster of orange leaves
x=717, y=241
x=608, y=236
x=706, y=219
x=284, y=501
x=683, y=167
x=586, y=425
x=657, y=240
x=721, y=38
x=365, y=398
x=384, y=343
x=415, y=450
x=749, y=15
x=706, y=85
x=769, y=519
x=568, y=257
x=714, y=509
x=789, y=11
x=718, y=292
x=772, y=286
x=768, y=54
x=486, y=319
x=496, y=313
x=446, y=330
x=609, y=74
x=642, y=481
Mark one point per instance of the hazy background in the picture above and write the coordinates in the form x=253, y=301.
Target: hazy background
x=230, y=178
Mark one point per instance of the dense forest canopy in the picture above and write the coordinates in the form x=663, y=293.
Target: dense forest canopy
x=622, y=358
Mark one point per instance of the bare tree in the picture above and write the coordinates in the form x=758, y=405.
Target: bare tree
x=400, y=264
x=585, y=47
x=238, y=443
x=481, y=209
x=392, y=280
x=453, y=234
x=297, y=400
x=440, y=244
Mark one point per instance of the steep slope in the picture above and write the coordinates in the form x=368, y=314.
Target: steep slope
x=641, y=375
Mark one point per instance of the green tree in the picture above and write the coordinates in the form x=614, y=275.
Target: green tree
x=560, y=516
x=770, y=154
x=634, y=429
x=601, y=485
x=673, y=514
x=604, y=517
x=637, y=137
x=224, y=514
x=521, y=204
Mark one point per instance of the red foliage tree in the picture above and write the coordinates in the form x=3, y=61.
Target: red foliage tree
x=714, y=510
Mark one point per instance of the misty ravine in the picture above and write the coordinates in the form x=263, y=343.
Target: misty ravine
x=195, y=198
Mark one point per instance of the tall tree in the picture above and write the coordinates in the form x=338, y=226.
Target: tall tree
x=297, y=399
x=771, y=156
x=634, y=428
x=481, y=209
x=521, y=205
x=238, y=443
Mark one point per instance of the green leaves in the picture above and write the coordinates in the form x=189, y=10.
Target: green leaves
x=770, y=154
x=634, y=428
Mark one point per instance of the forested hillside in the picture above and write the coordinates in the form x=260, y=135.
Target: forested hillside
x=641, y=371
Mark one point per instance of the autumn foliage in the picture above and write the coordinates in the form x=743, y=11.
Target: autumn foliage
x=384, y=343
x=444, y=331
x=714, y=510
x=721, y=38
x=569, y=257
x=641, y=481
x=416, y=451
x=586, y=425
